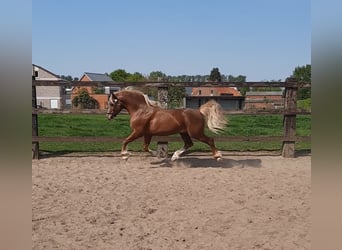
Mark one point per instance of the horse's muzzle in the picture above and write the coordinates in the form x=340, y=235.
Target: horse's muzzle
x=110, y=116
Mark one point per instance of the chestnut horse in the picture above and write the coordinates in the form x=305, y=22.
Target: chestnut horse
x=148, y=119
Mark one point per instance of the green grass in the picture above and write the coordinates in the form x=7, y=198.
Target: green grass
x=98, y=125
x=304, y=104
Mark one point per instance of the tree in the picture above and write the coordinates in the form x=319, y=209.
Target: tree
x=135, y=77
x=119, y=75
x=239, y=78
x=68, y=78
x=303, y=74
x=157, y=76
x=175, y=96
x=215, y=75
x=97, y=90
x=261, y=89
x=84, y=100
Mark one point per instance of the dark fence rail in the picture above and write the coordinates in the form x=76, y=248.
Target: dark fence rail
x=227, y=112
x=289, y=113
x=289, y=83
x=168, y=139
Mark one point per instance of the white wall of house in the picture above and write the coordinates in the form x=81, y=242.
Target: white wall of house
x=48, y=96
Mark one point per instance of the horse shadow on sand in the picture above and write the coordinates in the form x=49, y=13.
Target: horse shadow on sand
x=195, y=162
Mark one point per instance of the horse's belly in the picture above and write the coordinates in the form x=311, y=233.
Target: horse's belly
x=161, y=129
x=166, y=125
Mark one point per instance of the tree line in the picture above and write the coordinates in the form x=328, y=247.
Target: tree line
x=301, y=73
x=176, y=94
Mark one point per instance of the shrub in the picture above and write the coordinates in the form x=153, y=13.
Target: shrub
x=84, y=101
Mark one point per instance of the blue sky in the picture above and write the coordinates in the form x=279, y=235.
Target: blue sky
x=261, y=39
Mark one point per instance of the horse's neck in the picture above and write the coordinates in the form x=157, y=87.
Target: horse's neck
x=137, y=105
x=136, y=108
x=133, y=109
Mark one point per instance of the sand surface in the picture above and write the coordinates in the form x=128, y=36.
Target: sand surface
x=104, y=202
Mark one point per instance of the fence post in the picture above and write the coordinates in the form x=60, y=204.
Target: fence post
x=162, y=146
x=289, y=120
x=35, y=145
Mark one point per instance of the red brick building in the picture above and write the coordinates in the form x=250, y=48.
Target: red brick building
x=228, y=98
x=214, y=91
x=264, y=100
x=101, y=98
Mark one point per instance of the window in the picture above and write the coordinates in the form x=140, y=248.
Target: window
x=54, y=104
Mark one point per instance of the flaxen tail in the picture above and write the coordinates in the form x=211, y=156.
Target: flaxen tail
x=214, y=116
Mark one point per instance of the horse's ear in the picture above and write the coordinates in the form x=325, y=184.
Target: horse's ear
x=114, y=97
x=111, y=98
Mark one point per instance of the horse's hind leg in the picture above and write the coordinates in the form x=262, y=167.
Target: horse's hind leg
x=210, y=141
x=187, y=144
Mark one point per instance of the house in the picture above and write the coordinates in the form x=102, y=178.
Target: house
x=214, y=91
x=264, y=100
x=50, y=97
x=228, y=98
x=99, y=94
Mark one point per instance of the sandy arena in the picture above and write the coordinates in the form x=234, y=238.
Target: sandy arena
x=104, y=202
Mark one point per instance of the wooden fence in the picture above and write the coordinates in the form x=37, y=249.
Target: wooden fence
x=289, y=112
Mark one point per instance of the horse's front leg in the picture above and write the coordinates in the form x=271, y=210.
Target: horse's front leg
x=133, y=136
x=147, y=141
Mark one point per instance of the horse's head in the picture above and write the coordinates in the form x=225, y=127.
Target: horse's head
x=114, y=106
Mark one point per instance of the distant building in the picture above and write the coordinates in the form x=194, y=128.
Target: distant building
x=88, y=77
x=214, y=91
x=228, y=98
x=49, y=97
x=99, y=94
x=264, y=100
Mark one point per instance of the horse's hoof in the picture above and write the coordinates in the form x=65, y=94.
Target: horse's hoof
x=124, y=157
x=174, y=158
x=125, y=153
x=218, y=156
x=177, y=154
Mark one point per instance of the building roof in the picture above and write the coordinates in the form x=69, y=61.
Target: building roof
x=53, y=76
x=228, y=90
x=97, y=77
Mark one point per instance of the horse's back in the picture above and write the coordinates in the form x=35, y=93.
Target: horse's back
x=186, y=115
x=171, y=121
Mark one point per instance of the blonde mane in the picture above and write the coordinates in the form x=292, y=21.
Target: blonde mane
x=149, y=102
